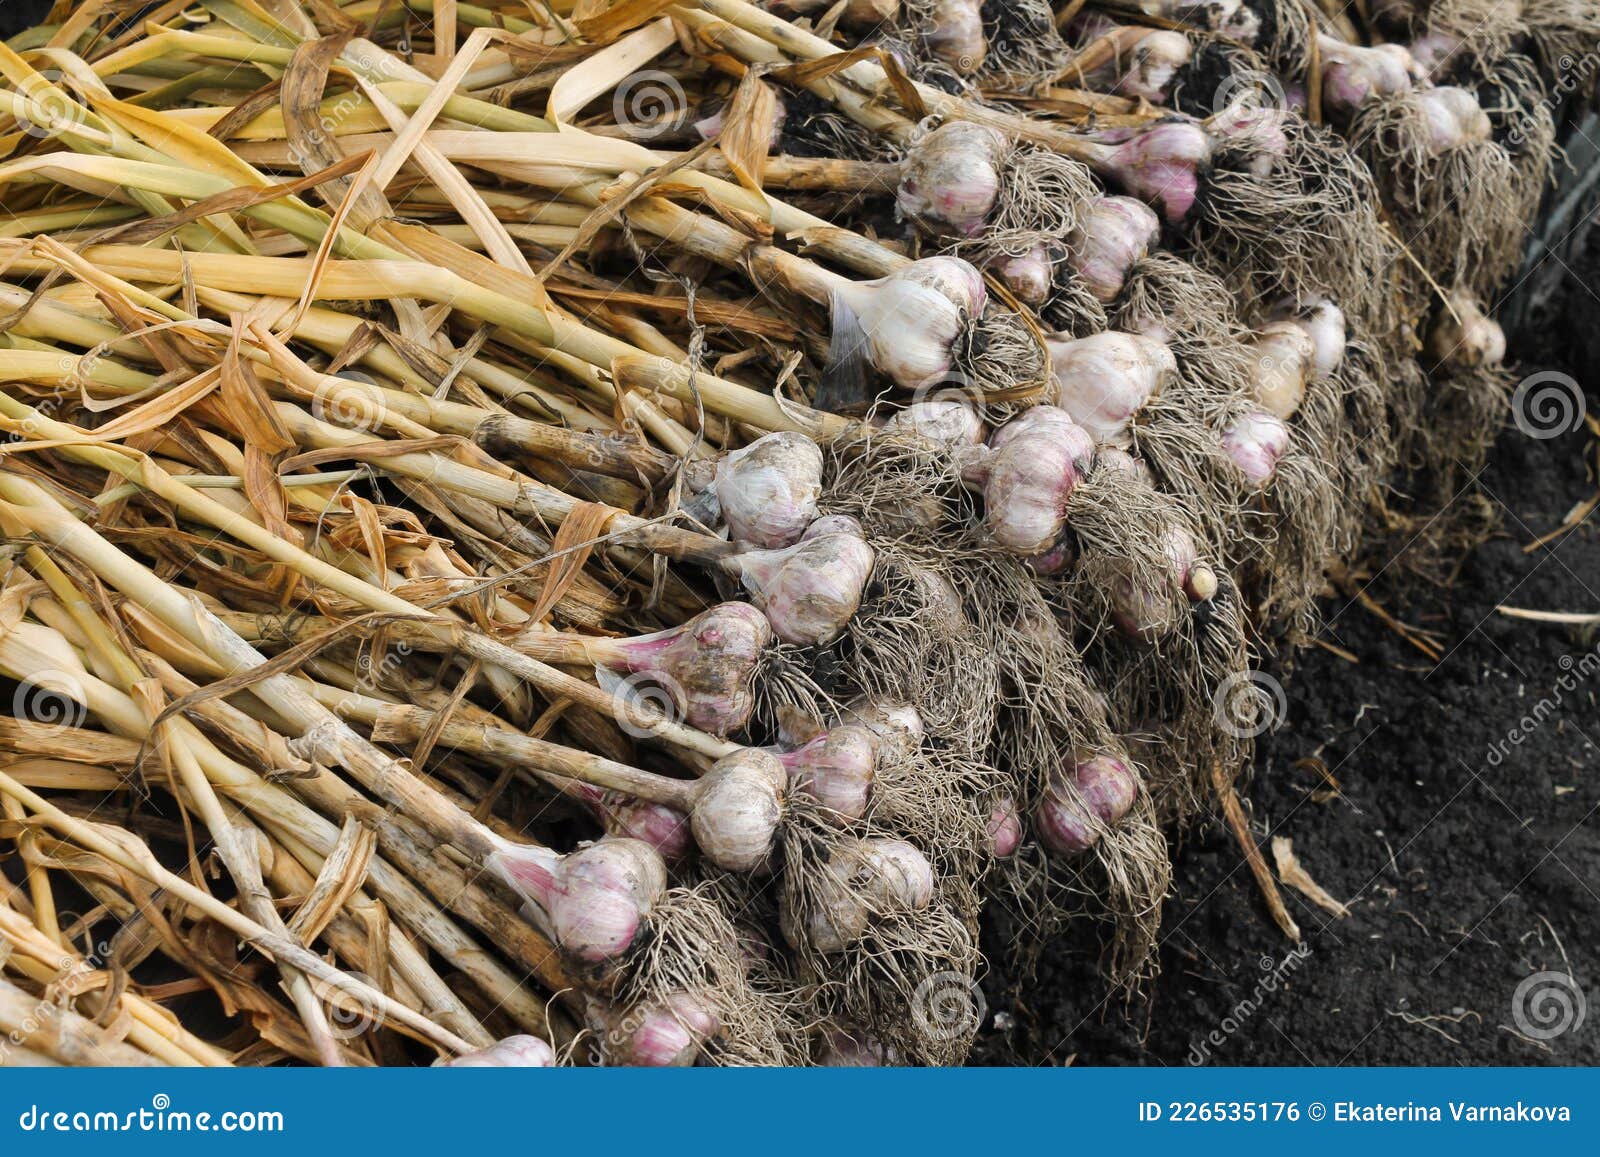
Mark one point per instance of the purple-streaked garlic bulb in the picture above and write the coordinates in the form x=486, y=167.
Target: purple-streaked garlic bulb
x=1285, y=357
x=842, y=1048
x=836, y=769
x=809, y=591
x=1030, y=276
x=1466, y=337
x=768, y=490
x=863, y=878
x=1352, y=75
x=1068, y=824
x=1143, y=607
x=1103, y=381
x=1454, y=117
x=1005, y=829
x=1255, y=442
x=1114, y=234
x=668, y=1033
x=950, y=179
x=954, y=34
x=896, y=729
x=595, y=900
x=1434, y=52
x=1116, y=460
x=1028, y=479
x=664, y=828
x=906, y=324
x=942, y=421
x=1057, y=560
x=515, y=1052
x=1160, y=164
x=738, y=805
x=707, y=663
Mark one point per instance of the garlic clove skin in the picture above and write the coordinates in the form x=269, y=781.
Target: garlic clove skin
x=1028, y=487
x=1104, y=380
x=1116, y=460
x=1005, y=829
x=1114, y=234
x=1352, y=75
x=1434, y=52
x=809, y=591
x=1106, y=788
x=1285, y=356
x=1255, y=443
x=836, y=769
x=1255, y=132
x=833, y=524
x=944, y=422
x=950, y=180
x=1055, y=422
x=1324, y=322
x=769, y=489
x=955, y=35
x=899, y=877
x=514, y=1052
x=665, y=829
x=738, y=806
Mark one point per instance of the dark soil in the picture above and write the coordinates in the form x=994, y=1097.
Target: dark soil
x=1453, y=805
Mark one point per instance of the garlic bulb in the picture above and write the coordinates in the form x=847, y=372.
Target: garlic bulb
x=1071, y=819
x=1030, y=277
x=842, y=1048
x=896, y=729
x=1454, y=117
x=707, y=663
x=514, y=1052
x=1233, y=19
x=768, y=490
x=905, y=324
x=595, y=899
x=1116, y=460
x=668, y=1033
x=1103, y=381
x=1160, y=164
x=1114, y=234
x=1150, y=68
x=809, y=591
x=666, y=829
x=836, y=769
x=954, y=34
x=1434, y=53
x=1325, y=323
x=942, y=422
x=833, y=524
x=1028, y=477
x=950, y=179
x=1005, y=829
x=737, y=808
x=1255, y=442
x=1352, y=75
x=1467, y=337
x=1285, y=355
x=1256, y=134
x=862, y=878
